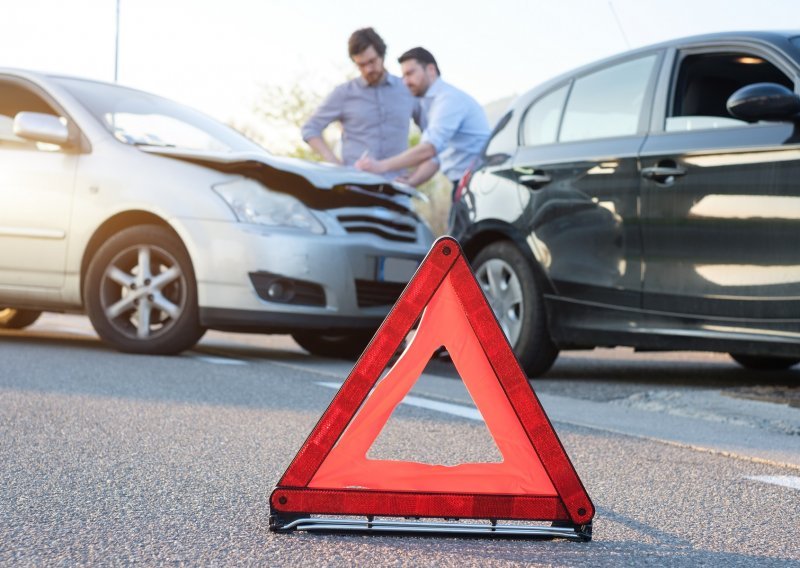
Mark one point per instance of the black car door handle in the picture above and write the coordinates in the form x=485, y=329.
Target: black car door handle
x=534, y=181
x=662, y=173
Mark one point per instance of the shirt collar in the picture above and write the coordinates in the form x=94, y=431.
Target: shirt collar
x=434, y=89
x=388, y=79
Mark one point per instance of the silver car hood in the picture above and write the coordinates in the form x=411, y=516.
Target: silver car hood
x=320, y=175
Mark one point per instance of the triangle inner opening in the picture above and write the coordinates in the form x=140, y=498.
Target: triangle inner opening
x=412, y=434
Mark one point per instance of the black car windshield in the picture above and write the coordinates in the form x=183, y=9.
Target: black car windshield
x=139, y=118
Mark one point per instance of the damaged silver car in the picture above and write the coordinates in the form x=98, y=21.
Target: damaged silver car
x=160, y=223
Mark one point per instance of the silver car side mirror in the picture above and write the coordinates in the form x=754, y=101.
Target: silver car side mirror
x=40, y=127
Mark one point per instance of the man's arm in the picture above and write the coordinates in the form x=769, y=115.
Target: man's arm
x=321, y=147
x=412, y=157
x=328, y=111
x=423, y=173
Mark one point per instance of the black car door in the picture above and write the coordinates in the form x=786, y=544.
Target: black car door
x=720, y=197
x=581, y=172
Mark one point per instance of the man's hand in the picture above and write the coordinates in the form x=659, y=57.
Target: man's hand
x=369, y=165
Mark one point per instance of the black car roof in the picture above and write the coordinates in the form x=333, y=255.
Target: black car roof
x=779, y=39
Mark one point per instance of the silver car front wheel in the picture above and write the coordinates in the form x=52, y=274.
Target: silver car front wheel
x=141, y=293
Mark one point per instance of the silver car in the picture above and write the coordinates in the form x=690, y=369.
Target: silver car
x=160, y=223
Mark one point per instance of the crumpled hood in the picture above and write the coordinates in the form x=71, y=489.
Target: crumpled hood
x=319, y=175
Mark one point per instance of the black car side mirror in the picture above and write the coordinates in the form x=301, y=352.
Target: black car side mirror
x=764, y=101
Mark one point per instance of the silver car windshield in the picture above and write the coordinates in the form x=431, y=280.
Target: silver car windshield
x=141, y=119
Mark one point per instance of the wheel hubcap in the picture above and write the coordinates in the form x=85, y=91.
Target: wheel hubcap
x=6, y=314
x=143, y=291
x=501, y=286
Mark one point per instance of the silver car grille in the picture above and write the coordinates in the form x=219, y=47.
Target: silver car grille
x=385, y=224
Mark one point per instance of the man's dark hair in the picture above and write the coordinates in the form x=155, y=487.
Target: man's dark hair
x=422, y=55
x=362, y=39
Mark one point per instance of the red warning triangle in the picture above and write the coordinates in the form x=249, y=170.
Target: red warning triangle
x=331, y=473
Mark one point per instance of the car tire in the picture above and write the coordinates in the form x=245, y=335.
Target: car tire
x=335, y=346
x=141, y=293
x=510, y=286
x=764, y=363
x=12, y=318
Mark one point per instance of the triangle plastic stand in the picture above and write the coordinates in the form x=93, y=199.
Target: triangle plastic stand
x=332, y=475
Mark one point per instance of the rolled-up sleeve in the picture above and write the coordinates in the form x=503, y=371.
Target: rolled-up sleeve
x=328, y=111
x=443, y=121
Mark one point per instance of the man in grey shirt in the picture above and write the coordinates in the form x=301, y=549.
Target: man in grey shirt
x=374, y=109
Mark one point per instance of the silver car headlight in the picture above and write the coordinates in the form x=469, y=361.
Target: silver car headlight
x=251, y=202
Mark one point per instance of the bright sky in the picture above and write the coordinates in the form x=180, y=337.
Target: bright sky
x=214, y=54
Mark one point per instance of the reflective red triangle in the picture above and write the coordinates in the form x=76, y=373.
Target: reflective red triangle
x=535, y=481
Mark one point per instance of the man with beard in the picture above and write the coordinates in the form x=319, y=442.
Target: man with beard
x=454, y=126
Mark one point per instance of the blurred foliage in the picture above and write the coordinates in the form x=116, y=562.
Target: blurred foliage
x=438, y=189
x=281, y=110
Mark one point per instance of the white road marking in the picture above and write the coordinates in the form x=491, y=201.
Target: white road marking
x=219, y=360
x=446, y=407
x=790, y=481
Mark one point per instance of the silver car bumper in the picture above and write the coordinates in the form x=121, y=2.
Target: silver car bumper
x=339, y=279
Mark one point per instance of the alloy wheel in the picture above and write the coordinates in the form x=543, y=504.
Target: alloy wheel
x=143, y=291
x=502, y=288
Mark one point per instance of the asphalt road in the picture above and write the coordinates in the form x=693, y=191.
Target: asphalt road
x=109, y=458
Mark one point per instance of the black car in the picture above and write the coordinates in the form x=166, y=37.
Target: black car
x=650, y=200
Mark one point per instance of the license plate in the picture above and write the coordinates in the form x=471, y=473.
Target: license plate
x=395, y=269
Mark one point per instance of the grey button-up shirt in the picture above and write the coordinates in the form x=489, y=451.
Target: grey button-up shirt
x=373, y=118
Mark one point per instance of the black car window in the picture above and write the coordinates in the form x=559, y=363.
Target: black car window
x=706, y=80
x=502, y=141
x=609, y=102
x=540, y=125
x=15, y=99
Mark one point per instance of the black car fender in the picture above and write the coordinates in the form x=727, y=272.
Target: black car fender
x=481, y=234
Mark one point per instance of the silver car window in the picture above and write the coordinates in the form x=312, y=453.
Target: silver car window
x=13, y=100
x=139, y=118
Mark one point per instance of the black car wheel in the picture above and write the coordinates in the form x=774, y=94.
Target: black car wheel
x=764, y=363
x=12, y=318
x=510, y=286
x=141, y=294
x=336, y=346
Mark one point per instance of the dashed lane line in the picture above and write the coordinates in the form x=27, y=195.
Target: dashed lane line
x=218, y=360
x=419, y=402
x=790, y=481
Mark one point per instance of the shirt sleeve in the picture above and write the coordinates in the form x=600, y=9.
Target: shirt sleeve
x=446, y=115
x=329, y=111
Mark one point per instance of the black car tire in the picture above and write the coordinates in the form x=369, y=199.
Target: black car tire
x=141, y=293
x=764, y=363
x=532, y=345
x=12, y=318
x=336, y=346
